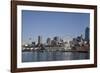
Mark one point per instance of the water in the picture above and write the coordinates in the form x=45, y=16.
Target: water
x=37, y=56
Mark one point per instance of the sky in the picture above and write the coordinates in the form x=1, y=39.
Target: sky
x=66, y=25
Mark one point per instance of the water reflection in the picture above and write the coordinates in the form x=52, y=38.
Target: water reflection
x=37, y=56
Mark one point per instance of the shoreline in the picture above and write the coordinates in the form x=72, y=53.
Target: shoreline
x=81, y=51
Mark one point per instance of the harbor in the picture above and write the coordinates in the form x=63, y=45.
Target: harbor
x=56, y=49
x=62, y=49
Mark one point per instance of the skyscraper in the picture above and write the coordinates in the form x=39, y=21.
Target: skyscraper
x=49, y=41
x=39, y=40
x=56, y=39
x=87, y=34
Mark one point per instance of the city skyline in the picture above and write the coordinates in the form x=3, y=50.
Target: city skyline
x=50, y=24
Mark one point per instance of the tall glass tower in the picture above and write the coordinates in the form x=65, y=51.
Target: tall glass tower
x=87, y=34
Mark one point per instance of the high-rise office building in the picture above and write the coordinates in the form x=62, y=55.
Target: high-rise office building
x=48, y=41
x=87, y=34
x=39, y=39
x=56, y=39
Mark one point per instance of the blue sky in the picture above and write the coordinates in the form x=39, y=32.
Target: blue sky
x=50, y=24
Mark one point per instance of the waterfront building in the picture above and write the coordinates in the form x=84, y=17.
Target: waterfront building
x=39, y=39
x=53, y=43
x=75, y=42
x=48, y=41
x=56, y=40
x=67, y=45
x=79, y=38
x=33, y=44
